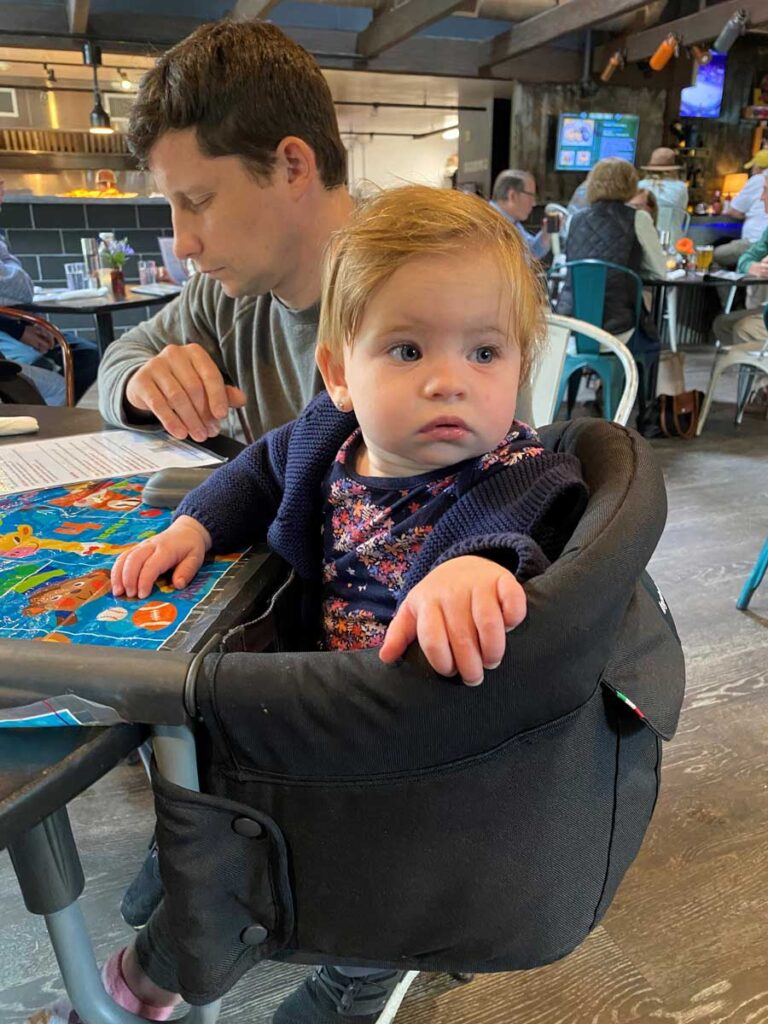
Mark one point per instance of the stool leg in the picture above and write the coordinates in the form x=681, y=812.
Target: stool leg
x=747, y=376
x=755, y=579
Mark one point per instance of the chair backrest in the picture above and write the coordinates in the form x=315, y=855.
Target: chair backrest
x=589, y=279
x=67, y=363
x=617, y=347
x=537, y=401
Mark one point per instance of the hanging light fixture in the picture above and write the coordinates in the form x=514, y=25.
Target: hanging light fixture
x=125, y=82
x=451, y=133
x=733, y=28
x=668, y=48
x=100, y=123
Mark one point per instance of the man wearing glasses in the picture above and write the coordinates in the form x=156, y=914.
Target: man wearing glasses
x=514, y=196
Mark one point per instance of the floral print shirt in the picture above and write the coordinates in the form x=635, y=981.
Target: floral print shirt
x=373, y=528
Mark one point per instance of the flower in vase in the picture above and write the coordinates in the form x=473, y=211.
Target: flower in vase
x=685, y=246
x=118, y=252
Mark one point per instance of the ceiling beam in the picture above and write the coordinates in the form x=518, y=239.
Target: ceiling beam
x=245, y=9
x=545, y=28
x=77, y=16
x=695, y=28
x=399, y=21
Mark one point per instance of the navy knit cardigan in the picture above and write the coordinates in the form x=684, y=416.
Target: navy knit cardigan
x=520, y=515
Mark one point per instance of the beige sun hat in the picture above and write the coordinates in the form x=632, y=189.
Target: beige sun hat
x=662, y=159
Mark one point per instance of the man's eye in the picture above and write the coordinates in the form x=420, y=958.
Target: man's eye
x=406, y=353
x=485, y=354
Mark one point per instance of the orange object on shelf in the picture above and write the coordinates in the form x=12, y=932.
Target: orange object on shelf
x=665, y=51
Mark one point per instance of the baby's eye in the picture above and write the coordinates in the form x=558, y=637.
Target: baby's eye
x=485, y=354
x=406, y=353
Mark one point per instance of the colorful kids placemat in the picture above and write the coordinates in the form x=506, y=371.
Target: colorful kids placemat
x=57, y=548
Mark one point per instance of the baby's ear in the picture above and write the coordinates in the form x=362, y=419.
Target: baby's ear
x=332, y=371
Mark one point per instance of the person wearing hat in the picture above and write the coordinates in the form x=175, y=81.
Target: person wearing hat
x=671, y=193
x=747, y=205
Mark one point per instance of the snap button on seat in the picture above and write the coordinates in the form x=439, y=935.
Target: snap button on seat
x=247, y=827
x=254, y=935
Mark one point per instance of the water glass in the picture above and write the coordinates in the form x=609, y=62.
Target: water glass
x=77, y=278
x=147, y=272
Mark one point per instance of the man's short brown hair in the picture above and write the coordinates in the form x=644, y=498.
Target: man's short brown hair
x=243, y=86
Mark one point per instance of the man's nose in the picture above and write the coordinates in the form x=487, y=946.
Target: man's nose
x=186, y=243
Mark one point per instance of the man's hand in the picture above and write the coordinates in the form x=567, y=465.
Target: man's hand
x=183, y=546
x=184, y=389
x=758, y=269
x=38, y=338
x=460, y=614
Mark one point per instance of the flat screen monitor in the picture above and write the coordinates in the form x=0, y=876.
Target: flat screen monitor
x=705, y=97
x=583, y=139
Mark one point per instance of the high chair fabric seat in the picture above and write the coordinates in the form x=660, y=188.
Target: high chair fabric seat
x=361, y=814
x=68, y=366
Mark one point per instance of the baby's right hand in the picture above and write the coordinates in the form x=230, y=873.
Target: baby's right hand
x=183, y=545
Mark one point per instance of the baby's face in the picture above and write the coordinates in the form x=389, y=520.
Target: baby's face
x=433, y=373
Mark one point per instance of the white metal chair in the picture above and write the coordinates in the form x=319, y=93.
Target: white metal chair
x=537, y=404
x=751, y=358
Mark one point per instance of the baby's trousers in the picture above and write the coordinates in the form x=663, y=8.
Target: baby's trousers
x=154, y=951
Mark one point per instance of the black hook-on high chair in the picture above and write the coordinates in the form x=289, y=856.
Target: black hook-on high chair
x=352, y=813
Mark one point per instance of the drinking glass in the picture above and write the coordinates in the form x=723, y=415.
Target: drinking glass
x=76, y=276
x=147, y=272
x=704, y=258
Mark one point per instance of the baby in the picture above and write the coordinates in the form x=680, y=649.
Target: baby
x=407, y=498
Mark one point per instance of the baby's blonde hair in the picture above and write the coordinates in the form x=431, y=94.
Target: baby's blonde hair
x=413, y=221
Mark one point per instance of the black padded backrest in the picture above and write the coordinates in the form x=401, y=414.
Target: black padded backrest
x=343, y=714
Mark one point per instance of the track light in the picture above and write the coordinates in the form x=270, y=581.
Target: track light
x=668, y=48
x=50, y=75
x=701, y=54
x=733, y=28
x=616, y=60
x=450, y=134
x=100, y=123
x=125, y=82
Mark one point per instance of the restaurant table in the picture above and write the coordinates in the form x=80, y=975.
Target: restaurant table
x=101, y=308
x=693, y=318
x=41, y=770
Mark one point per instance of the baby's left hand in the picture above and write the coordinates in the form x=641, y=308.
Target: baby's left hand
x=460, y=614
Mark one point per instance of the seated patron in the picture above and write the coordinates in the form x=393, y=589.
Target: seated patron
x=514, y=196
x=747, y=325
x=746, y=205
x=671, y=193
x=34, y=347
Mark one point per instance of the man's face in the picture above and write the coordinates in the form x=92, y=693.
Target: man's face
x=520, y=204
x=235, y=228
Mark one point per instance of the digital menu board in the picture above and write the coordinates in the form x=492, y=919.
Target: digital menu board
x=583, y=139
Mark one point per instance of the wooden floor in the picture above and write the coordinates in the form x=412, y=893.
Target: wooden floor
x=686, y=940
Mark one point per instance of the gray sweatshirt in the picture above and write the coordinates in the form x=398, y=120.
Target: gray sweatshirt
x=265, y=348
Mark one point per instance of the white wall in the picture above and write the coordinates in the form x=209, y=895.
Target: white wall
x=386, y=161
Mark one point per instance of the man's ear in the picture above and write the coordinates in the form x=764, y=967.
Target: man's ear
x=299, y=162
x=332, y=371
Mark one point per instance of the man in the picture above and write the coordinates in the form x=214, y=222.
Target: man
x=238, y=127
x=33, y=347
x=671, y=193
x=747, y=325
x=255, y=171
x=746, y=205
x=514, y=196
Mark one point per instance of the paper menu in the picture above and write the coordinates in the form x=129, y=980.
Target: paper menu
x=31, y=465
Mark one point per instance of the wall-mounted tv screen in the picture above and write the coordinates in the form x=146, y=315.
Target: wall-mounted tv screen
x=705, y=97
x=583, y=139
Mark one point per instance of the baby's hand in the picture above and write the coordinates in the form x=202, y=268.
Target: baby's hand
x=182, y=545
x=460, y=613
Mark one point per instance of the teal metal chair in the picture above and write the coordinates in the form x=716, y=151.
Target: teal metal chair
x=589, y=280
x=755, y=579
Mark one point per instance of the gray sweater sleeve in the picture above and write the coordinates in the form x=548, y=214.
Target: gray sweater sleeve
x=192, y=317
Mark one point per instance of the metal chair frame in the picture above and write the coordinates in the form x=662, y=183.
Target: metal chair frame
x=66, y=352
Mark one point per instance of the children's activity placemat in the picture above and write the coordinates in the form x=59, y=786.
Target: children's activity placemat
x=57, y=548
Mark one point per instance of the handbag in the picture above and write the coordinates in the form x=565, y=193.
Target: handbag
x=679, y=414
x=671, y=374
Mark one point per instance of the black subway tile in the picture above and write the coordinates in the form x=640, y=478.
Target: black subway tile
x=15, y=215
x=59, y=215
x=31, y=266
x=28, y=242
x=158, y=216
x=52, y=267
x=110, y=217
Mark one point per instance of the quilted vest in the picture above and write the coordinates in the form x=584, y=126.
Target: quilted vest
x=606, y=231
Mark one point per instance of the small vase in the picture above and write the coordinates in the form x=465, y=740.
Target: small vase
x=118, y=283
